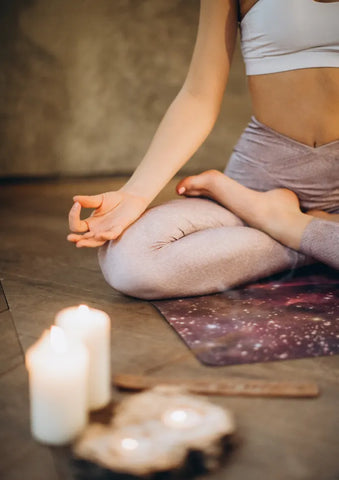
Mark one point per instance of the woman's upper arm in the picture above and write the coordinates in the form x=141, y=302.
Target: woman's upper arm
x=213, y=50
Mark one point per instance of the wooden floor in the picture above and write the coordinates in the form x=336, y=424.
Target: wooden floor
x=41, y=273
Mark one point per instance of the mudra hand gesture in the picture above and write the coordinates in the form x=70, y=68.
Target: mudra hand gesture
x=113, y=213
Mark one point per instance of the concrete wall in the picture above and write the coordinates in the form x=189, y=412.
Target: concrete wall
x=84, y=83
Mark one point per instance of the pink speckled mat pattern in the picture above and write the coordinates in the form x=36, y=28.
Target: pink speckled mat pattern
x=292, y=316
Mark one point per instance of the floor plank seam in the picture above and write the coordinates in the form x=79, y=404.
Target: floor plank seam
x=14, y=367
x=40, y=283
x=2, y=293
x=13, y=324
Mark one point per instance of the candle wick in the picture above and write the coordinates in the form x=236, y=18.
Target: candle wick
x=83, y=309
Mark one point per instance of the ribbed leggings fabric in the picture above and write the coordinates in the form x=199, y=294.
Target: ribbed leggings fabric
x=194, y=246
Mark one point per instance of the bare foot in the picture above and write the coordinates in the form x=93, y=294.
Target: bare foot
x=275, y=212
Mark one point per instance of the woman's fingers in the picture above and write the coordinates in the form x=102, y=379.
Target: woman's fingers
x=83, y=241
x=89, y=201
x=89, y=239
x=75, y=237
x=75, y=223
x=109, y=209
x=72, y=237
x=90, y=242
x=112, y=234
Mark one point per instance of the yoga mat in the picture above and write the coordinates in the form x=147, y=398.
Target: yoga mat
x=294, y=316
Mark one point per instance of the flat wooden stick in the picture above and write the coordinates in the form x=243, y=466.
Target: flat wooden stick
x=230, y=387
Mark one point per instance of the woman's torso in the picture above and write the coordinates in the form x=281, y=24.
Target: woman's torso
x=302, y=104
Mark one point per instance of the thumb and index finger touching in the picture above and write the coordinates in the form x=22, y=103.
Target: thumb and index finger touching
x=89, y=201
x=86, y=201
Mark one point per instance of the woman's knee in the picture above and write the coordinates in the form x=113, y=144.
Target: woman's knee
x=130, y=273
x=130, y=264
x=139, y=264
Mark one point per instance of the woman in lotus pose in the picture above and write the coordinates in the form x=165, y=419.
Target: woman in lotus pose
x=276, y=206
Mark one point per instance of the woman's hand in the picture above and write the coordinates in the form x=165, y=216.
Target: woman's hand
x=113, y=213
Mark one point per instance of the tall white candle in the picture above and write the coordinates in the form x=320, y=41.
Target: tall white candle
x=58, y=379
x=93, y=327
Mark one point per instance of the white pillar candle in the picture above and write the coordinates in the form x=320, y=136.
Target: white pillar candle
x=58, y=379
x=93, y=327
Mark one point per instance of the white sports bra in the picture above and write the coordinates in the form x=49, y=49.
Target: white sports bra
x=280, y=35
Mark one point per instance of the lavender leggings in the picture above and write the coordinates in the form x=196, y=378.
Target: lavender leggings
x=194, y=246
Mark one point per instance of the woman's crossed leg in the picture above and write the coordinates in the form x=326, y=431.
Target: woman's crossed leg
x=191, y=246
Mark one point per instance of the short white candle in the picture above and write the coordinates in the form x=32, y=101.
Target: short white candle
x=182, y=418
x=58, y=379
x=93, y=327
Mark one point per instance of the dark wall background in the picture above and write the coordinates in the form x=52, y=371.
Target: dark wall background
x=84, y=83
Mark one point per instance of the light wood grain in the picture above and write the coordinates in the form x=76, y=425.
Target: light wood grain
x=230, y=387
x=295, y=438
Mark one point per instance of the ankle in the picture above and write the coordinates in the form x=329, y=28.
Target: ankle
x=289, y=227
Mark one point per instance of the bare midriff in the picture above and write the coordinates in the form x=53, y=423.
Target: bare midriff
x=301, y=104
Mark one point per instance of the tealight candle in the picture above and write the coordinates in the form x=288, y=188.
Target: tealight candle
x=131, y=447
x=58, y=379
x=129, y=444
x=181, y=418
x=93, y=328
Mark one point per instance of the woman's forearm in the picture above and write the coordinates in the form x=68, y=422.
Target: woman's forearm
x=183, y=129
x=192, y=114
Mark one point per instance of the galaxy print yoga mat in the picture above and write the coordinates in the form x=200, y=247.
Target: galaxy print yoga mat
x=278, y=319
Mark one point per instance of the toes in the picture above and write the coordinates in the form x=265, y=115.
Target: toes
x=201, y=184
x=189, y=185
x=182, y=186
x=195, y=193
